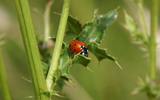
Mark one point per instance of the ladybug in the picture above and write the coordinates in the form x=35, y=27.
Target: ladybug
x=78, y=47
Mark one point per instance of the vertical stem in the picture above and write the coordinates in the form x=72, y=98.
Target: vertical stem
x=140, y=7
x=30, y=44
x=154, y=16
x=3, y=81
x=58, y=44
x=47, y=19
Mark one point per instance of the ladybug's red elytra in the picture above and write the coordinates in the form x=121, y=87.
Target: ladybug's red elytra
x=78, y=47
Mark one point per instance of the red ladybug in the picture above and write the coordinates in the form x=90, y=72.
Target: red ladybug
x=78, y=47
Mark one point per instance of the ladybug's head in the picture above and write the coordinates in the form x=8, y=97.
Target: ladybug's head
x=84, y=51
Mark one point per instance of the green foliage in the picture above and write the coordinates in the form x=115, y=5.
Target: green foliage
x=47, y=93
x=94, y=31
x=64, y=64
x=45, y=68
x=91, y=34
x=132, y=27
x=74, y=26
x=149, y=86
x=81, y=60
x=99, y=52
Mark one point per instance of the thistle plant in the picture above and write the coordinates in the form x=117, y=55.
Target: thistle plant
x=150, y=86
x=91, y=34
x=48, y=73
x=50, y=58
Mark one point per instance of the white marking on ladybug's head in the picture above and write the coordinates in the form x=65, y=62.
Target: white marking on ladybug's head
x=83, y=53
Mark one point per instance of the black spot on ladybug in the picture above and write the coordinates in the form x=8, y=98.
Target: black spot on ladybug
x=74, y=44
x=74, y=49
x=69, y=45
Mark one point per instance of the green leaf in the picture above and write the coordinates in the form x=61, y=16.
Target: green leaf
x=61, y=83
x=53, y=92
x=65, y=63
x=94, y=31
x=81, y=60
x=132, y=27
x=58, y=74
x=130, y=24
x=150, y=87
x=74, y=26
x=92, y=35
x=45, y=68
x=101, y=53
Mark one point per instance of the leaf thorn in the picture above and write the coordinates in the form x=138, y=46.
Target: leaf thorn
x=89, y=69
x=27, y=79
x=119, y=65
x=57, y=13
x=72, y=83
x=93, y=60
x=61, y=96
x=117, y=7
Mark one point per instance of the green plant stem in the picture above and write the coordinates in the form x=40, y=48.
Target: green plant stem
x=30, y=44
x=47, y=20
x=154, y=16
x=140, y=8
x=3, y=81
x=58, y=44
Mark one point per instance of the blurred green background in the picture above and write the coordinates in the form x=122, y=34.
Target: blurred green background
x=108, y=81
